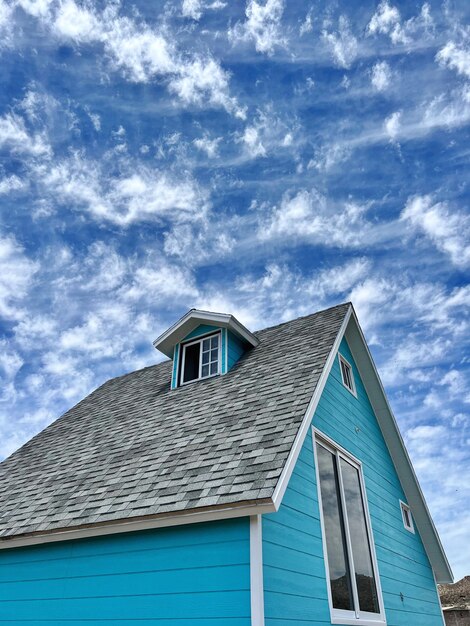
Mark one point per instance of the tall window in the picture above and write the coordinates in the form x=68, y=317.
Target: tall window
x=353, y=583
x=200, y=358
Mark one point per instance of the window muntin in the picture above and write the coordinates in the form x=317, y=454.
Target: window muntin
x=354, y=588
x=406, y=516
x=200, y=359
x=347, y=374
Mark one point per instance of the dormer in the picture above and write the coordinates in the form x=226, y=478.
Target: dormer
x=203, y=344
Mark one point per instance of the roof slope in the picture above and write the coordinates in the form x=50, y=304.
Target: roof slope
x=135, y=448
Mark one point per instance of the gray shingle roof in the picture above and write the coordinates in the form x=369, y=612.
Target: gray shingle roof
x=135, y=448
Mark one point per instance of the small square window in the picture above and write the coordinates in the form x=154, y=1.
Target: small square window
x=347, y=374
x=406, y=515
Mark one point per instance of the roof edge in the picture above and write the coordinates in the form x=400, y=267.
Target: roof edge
x=398, y=452
x=162, y=520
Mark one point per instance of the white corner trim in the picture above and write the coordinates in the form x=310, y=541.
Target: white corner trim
x=256, y=571
x=165, y=521
x=304, y=427
x=438, y=598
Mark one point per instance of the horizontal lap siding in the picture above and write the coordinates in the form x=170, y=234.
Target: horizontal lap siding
x=294, y=571
x=293, y=561
x=196, y=574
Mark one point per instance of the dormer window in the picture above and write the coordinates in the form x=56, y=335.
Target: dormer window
x=203, y=344
x=200, y=358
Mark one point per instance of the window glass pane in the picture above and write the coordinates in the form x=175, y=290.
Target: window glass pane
x=205, y=357
x=205, y=371
x=346, y=374
x=206, y=344
x=215, y=341
x=340, y=582
x=214, y=368
x=191, y=362
x=214, y=355
x=361, y=554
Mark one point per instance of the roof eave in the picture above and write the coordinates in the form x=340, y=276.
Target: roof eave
x=148, y=522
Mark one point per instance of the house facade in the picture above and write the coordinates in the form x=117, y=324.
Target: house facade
x=251, y=479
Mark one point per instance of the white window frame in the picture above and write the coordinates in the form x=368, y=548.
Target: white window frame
x=341, y=616
x=191, y=343
x=409, y=527
x=353, y=382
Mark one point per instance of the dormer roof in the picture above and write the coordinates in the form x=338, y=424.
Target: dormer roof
x=195, y=317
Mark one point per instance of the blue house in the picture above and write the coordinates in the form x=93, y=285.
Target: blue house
x=249, y=479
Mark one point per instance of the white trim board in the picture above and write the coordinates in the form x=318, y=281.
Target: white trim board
x=395, y=444
x=256, y=571
x=307, y=420
x=190, y=517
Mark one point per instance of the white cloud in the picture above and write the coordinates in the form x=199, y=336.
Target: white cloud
x=329, y=155
x=16, y=273
x=446, y=229
x=10, y=362
x=387, y=21
x=450, y=109
x=381, y=76
x=392, y=125
x=309, y=216
x=15, y=136
x=6, y=31
x=455, y=57
x=195, y=8
x=204, y=80
x=11, y=183
x=76, y=23
x=267, y=132
x=307, y=24
x=164, y=280
x=142, y=53
x=251, y=139
x=192, y=9
x=208, y=145
x=37, y=8
x=343, y=44
x=262, y=26
x=142, y=195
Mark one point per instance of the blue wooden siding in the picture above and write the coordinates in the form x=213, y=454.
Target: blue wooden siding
x=294, y=570
x=235, y=349
x=202, y=329
x=197, y=574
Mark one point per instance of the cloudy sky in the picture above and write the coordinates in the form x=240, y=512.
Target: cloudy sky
x=261, y=157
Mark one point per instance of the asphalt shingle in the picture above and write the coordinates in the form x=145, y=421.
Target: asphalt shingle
x=134, y=447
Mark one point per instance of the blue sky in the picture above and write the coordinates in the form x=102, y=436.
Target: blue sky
x=267, y=159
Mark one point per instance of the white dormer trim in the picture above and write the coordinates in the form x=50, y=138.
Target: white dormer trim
x=191, y=320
